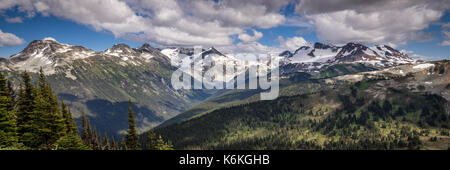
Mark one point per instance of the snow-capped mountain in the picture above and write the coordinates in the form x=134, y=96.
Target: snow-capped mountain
x=100, y=83
x=184, y=58
x=49, y=54
x=313, y=57
x=351, y=52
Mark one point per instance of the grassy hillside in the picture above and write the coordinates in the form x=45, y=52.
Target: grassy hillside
x=382, y=111
x=291, y=84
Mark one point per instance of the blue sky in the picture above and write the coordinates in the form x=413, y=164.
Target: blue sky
x=424, y=30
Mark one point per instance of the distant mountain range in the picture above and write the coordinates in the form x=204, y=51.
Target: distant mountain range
x=100, y=83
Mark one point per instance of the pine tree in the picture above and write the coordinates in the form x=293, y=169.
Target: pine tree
x=11, y=94
x=52, y=117
x=89, y=134
x=152, y=145
x=69, y=123
x=24, y=115
x=160, y=143
x=132, y=136
x=113, y=144
x=84, y=130
x=123, y=145
x=95, y=144
x=70, y=142
x=105, y=143
x=8, y=136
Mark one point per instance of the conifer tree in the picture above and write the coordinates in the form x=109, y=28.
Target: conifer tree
x=95, y=144
x=11, y=94
x=105, y=143
x=152, y=145
x=160, y=143
x=24, y=115
x=89, y=134
x=49, y=107
x=132, y=136
x=8, y=136
x=123, y=145
x=69, y=123
x=113, y=143
x=84, y=129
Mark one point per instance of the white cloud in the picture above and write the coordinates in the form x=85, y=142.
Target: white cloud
x=248, y=38
x=14, y=20
x=292, y=43
x=380, y=22
x=163, y=22
x=446, y=25
x=445, y=43
x=446, y=33
x=413, y=55
x=8, y=39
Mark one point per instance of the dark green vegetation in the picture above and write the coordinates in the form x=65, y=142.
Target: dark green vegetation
x=32, y=119
x=384, y=111
x=292, y=84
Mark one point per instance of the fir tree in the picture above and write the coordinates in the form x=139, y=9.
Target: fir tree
x=69, y=123
x=89, y=136
x=25, y=109
x=105, y=143
x=152, y=145
x=113, y=144
x=123, y=145
x=8, y=136
x=160, y=143
x=11, y=94
x=132, y=136
x=95, y=144
x=84, y=130
x=50, y=109
x=70, y=142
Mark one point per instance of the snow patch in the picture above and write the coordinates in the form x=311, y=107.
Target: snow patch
x=423, y=66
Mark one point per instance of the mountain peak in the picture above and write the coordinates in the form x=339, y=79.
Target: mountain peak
x=120, y=46
x=49, y=39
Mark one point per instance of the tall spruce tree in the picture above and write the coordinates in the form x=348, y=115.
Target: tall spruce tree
x=84, y=129
x=106, y=145
x=69, y=123
x=123, y=145
x=24, y=115
x=48, y=117
x=95, y=144
x=12, y=95
x=152, y=145
x=50, y=108
x=132, y=140
x=8, y=136
x=114, y=145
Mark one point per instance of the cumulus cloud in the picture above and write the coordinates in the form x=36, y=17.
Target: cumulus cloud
x=382, y=21
x=248, y=38
x=8, y=39
x=446, y=25
x=445, y=43
x=14, y=20
x=446, y=33
x=292, y=43
x=167, y=22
